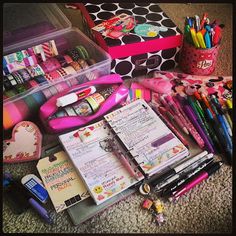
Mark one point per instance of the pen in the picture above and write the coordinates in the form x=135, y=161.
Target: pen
x=204, y=17
x=179, y=100
x=230, y=107
x=227, y=116
x=169, y=124
x=197, y=20
x=194, y=120
x=221, y=121
x=205, y=100
x=218, y=105
x=159, y=182
x=198, y=113
x=204, y=174
x=169, y=189
x=175, y=110
x=40, y=210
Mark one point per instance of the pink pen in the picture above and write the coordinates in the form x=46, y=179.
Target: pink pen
x=204, y=174
x=176, y=113
x=190, y=126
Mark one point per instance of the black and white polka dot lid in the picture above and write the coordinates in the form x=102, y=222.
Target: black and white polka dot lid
x=144, y=13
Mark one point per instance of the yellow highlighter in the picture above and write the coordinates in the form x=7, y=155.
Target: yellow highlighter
x=200, y=39
x=194, y=37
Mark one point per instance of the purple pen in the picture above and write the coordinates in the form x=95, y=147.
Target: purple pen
x=189, y=112
x=41, y=211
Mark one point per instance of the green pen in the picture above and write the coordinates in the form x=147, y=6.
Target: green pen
x=200, y=121
x=208, y=125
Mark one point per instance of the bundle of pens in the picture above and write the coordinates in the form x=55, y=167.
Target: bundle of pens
x=206, y=118
x=201, y=45
x=181, y=178
x=202, y=33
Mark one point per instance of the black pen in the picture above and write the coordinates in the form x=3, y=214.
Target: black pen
x=186, y=178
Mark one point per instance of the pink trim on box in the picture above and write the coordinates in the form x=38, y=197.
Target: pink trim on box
x=144, y=47
x=91, y=24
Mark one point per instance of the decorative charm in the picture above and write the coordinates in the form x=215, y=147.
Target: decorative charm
x=25, y=144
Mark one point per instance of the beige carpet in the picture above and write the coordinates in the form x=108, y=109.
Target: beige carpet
x=205, y=209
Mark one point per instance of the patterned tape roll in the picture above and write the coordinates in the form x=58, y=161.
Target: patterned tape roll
x=69, y=70
x=40, y=79
x=47, y=93
x=32, y=83
x=39, y=97
x=32, y=104
x=74, y=54
x=68, y=59
x=24, y=74
x=55, y=75
x=21, y=88
x=10, y=93
x=61, y=86
x=83, y=53
x=50, y=65
x=76, y=66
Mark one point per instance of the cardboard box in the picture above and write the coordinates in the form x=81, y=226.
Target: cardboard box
x=134, y=55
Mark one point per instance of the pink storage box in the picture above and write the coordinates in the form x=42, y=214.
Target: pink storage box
x=132, y=54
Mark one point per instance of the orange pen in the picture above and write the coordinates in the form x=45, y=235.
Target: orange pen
x=205, y=100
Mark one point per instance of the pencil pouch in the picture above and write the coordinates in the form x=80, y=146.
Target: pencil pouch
x=60, y=124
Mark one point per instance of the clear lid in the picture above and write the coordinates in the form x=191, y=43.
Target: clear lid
x=27, y=21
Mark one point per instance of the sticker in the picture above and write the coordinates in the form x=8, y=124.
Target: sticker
x=148, y=30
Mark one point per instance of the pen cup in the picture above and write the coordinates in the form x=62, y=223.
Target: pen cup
x=198, y=61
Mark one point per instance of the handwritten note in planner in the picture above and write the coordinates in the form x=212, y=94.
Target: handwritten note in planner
x=101, y=170
x=62, y=182
x=149, y=140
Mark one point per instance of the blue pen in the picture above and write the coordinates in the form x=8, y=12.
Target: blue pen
x=221, y=121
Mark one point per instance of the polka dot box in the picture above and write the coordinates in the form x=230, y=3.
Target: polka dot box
x=134, y=55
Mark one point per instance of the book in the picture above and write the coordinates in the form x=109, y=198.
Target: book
x=129, y=144
x=61, y=180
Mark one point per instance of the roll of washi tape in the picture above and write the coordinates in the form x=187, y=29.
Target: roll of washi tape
x=20, y=88
x=61, y=86
x=24, y=74
x=82, y=52
x=62, y=60
x=40, y=79
x=47, y=93
x=17, y=77
x=32, y=83
x=50, y=65
x=91, y=61
x=9, y=81
x=39, y=97
x=32, y=104
x=14, y=66
x=62, y=72
x=83, y=64
x=68, y=59
x=55, y=75
x=48, y=77
x=69, y=70
x=53, y=90
x=76, y=66
x=35, y=70
x=23, y=108
x=11, y=115
x=10, y=93
x=74, y=54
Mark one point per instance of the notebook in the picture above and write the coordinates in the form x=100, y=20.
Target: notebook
x=131, y=143
x=62, y=182
x=152, y=144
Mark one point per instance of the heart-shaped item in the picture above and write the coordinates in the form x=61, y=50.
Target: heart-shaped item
x=25, y=144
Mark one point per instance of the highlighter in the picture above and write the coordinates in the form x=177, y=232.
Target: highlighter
x=194, y=37
x=217, y=36
x=187, y=34
x=207, y=40
x=200, y=38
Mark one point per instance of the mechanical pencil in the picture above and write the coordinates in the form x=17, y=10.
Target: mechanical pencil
x=159, y=182
x=187, y=177
x=204, y=174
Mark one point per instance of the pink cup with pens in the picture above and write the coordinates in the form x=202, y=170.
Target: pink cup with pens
x=198, y=61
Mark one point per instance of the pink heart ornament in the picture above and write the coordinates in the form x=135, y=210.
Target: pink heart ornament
x=25, y=144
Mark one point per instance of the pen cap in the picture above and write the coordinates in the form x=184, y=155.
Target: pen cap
x=211, y=169
x=198, y=61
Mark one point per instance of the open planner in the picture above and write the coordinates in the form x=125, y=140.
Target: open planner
x=128, y=145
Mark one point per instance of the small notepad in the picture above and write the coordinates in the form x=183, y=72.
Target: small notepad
x=61, y=180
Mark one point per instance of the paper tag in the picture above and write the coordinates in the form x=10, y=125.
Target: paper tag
x=62, y=182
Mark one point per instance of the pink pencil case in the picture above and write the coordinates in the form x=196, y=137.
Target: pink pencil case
x=60, y=124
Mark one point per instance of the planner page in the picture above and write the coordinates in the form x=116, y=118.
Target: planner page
x=153, y=145
x=99, y=166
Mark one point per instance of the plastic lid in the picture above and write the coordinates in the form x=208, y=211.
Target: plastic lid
x=29, y=21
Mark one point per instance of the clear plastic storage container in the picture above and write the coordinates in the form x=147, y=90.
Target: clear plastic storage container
x=26, y=104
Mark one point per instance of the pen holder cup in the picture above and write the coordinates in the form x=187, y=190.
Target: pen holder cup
x=198, y=61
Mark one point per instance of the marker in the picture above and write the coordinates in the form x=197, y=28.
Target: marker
x=200, y=38
x=75, y=96
x=203, y=21
x=197, y=20
x=178, y=99
x=194, y=37
x=217, y=36
x=207, y=39
x=40, y=210
x=169, y=124
x=204, y=174
x=178, y=168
